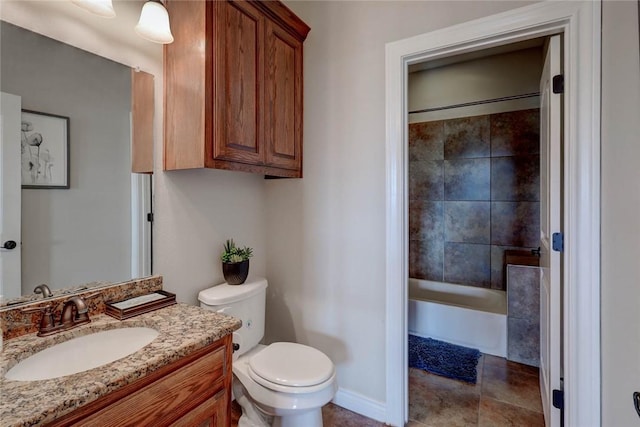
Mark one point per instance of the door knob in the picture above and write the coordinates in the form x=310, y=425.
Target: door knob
x=9, y=244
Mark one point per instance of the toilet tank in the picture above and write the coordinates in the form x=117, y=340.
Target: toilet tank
x=246, y=302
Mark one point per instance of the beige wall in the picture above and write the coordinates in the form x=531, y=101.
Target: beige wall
x=326, y=233
x=496, y=76
x=197, y=210
x=620, y=213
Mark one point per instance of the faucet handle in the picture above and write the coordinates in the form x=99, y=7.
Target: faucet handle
x=46, y=323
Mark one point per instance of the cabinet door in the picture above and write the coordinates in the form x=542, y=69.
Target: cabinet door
x=238, y=64
x=211, y=413
x=283, y=113
x=142, y=110
x=161, y=402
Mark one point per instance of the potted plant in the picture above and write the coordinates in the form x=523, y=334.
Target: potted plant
x=235, y=263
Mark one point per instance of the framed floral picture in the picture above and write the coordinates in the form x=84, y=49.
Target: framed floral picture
x=44, y=147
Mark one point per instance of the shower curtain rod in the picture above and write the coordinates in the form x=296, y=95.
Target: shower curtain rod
x=469, y=104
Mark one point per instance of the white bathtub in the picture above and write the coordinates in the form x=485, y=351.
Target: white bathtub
x=458, y=314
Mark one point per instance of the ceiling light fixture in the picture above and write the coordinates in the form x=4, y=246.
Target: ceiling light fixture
x=154, y=18
x=154, y=23
x=103, y=8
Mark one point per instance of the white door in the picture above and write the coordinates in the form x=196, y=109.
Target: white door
x=10, y=195
x=550, y=223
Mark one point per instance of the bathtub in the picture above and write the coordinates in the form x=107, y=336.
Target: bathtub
x=458, y=314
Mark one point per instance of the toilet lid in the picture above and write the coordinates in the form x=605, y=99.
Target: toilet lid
x=292, y=365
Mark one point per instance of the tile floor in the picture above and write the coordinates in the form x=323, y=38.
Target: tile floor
x=506, y=394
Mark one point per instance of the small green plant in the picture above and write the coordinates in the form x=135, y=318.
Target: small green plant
x=232, y=253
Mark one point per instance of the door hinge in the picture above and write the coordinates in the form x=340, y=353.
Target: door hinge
x=558, y=399
x=558, y=84
x=150, y=217
x=558, y=242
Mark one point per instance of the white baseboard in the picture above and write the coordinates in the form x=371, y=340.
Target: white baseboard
x=360, y=404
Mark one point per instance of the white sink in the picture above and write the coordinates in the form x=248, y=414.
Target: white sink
x=81, y=354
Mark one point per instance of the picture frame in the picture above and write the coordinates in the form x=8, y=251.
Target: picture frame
x=44, y=142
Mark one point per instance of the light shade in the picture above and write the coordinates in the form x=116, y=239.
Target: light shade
x=103, y=8
x=154, y=23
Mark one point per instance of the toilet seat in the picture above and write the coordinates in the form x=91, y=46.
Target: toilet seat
x=291, y=368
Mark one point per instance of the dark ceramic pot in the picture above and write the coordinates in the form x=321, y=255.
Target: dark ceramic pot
x=235, y=273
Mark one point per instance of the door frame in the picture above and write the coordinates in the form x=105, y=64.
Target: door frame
x=141, y=225
x=580, y=24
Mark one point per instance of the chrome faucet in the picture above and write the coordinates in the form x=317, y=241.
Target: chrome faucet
x=74, y=313
x=44, y=290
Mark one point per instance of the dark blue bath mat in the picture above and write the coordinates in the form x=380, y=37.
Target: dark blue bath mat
x=442, y=358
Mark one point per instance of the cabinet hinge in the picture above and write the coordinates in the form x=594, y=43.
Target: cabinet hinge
x=558, y=399
x=558, y=84
x=150, y=217
x=558, y=242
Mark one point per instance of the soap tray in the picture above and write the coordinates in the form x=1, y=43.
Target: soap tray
x=142, y=304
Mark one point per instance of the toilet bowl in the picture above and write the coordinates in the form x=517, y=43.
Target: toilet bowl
x=282, y=384
x=290, y=405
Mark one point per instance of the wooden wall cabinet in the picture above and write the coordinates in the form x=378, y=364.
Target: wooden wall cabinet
x=193, y=391
x=233, y=87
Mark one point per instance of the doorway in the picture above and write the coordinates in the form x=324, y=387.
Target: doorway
x=581, y=187
x=474, y=214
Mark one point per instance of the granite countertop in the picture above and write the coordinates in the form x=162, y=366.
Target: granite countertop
x=183, y=330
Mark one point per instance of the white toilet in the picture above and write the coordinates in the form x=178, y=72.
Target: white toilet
x=287, y=381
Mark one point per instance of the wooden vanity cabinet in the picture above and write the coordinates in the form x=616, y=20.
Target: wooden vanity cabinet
x=193, y=391
x=233, y=87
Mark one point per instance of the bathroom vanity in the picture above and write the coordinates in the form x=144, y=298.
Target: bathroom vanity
x=182, y=378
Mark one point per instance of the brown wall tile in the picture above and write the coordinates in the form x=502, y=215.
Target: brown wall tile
x=426, y=141
x=426, y=259
x=523, y=341
x=524, y=292
x=516, y=132
x=515, y=178
x=467, y=264
x=515, y=223
x=467, y=179
x=467, y=137
x=426, y=180
x=467, y=222
x=426, y=220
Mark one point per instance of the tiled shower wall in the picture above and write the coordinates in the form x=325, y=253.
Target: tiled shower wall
x=474, y=185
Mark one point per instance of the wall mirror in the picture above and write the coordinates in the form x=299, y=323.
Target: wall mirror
x=96, y=230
